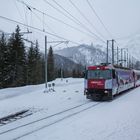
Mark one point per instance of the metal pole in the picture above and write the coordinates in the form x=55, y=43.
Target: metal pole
x=61, y=72
x=132, y=62
x=117, y=55
x=45, y=63
x=127, y=58
x=129, y=61
x=112, y=52
x=121, y=56
x=107, y=52
x=124, y=58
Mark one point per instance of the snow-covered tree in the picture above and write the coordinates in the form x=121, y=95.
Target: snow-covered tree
x=4, y=62
x=50, y=65
x=34, y=65
x=17, y=59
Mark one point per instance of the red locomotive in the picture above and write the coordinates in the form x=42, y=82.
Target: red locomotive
x=105, y=81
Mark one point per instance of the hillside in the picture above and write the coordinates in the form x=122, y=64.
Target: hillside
x=84, y=54
x=65, y=63
x=133, y=45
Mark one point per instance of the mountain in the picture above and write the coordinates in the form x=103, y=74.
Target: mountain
x=133, y=46
x=84, y=54
x=65, y=63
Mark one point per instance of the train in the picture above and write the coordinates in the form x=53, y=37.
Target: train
x=104, y=81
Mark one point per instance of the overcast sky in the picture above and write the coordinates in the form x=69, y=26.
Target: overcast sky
x=121, y=18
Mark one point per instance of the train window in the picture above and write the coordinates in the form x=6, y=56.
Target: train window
x=99, y=74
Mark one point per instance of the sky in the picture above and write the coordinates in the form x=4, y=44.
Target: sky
x=120, y=17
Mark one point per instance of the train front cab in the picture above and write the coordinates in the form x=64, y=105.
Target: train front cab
x=99, y=83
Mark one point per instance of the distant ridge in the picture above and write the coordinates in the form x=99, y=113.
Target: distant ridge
x=84, y=54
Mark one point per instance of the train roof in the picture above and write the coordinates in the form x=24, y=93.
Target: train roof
x=107, y=66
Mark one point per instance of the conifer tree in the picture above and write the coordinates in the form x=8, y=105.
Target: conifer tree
x=35, y=64
x=50, y=67
x=4, y=62
x=30, y=65
x=17, y=58
x=38, y=65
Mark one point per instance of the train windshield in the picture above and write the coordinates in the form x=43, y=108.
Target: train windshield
x=99, y=74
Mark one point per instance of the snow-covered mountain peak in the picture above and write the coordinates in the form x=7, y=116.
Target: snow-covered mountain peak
x=84, y=54
x=133, y=46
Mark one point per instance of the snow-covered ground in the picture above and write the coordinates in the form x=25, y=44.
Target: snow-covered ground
x=82, y=119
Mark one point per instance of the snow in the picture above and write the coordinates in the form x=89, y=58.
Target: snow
x=115, y=120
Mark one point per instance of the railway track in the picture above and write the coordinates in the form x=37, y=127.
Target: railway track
x=45, y=122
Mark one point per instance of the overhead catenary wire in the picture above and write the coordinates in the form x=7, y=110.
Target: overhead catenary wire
x=49, y=15
x=25, y=16
x=64, y=24
x=65, y=10
x=94, y=11
x=23, y=20
x=68, y=13
x=79, y=23
x=87, y=20
x=43, y=28
x=56, y=19
x=59, y=11
x=38, y=29
x=44, y=23
x=18, y=11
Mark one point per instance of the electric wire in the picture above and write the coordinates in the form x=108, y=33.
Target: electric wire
x=44, y=23
x=87, y=20
x=79, y=22
x=18, y=11
x=67, y=12
x=58, y=20
x=38, y=29
x=94, y=11
x=64, y=10
x=54, y=18
x=73, y=16
x=60, y=11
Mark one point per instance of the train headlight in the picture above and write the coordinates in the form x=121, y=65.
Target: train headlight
x=106, y=91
